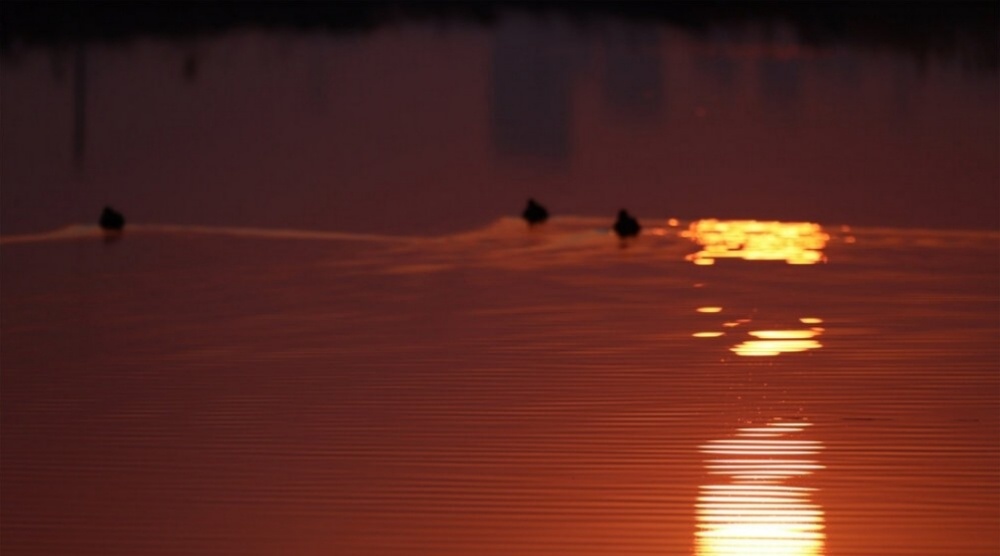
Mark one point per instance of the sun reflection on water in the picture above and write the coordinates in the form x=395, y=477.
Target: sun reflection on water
x=768, y=343
x=753, y=240
x=757, y=512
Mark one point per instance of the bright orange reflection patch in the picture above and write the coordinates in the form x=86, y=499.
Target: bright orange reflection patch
x=752, y=240
x=783, y=334
x=770, y=348
x=756, y=512
x=769, y=343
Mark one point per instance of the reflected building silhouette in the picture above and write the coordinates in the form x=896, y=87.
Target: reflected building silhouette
x=780, y=70
x=534, y=67
x=58, y=65
x=633, y=79
x=532, y=76
x=779, y=84
x=79, y=104
x=903, y=80
x=190, y=67
x=720, y=69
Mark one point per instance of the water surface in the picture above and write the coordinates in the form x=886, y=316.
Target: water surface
x=324, y=330
x=503, y=391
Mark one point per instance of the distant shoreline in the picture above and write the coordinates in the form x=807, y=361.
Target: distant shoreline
x=967, y=29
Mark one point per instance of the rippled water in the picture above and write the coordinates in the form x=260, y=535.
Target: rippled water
x=200, y=390
x=323, y=330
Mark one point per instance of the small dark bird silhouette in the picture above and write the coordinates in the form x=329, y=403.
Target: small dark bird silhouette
x=111, y=219
x=626, y=226
x=535, y=213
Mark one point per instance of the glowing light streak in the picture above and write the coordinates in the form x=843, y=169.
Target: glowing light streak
x=755, y=514
x=752, y=240
x=783, y=334
x=774, y=429
x=738, y=442
x=768, y=348
x=770, y=464
x=759, y=452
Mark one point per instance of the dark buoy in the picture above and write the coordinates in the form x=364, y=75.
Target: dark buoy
x=626, y=226
x=111, y=219
x=535, y=213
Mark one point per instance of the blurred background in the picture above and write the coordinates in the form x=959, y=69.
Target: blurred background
x=434, y=117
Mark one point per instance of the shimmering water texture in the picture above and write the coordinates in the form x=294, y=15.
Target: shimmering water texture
x=325, y=331
x=215, y=390
x=751, y=240
x=765, y=507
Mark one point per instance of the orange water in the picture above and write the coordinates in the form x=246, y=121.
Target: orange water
x=220, y=391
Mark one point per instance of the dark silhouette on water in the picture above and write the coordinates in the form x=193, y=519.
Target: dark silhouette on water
x=535, y=213
x=626, y=226
x=111, y=220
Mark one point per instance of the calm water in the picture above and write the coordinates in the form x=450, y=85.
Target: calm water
x=443, y=128
x=324, y=331
x=236, y=391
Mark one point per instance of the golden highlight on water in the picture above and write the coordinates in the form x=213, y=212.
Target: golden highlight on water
x=754, y=240
x=760, y=506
